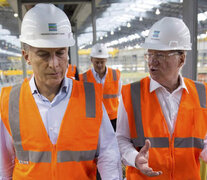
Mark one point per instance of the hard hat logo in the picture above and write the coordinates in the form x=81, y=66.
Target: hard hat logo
x=169, y=33
x=37, y=30
x=156, y=34
x=99, y=50
x=52, y=26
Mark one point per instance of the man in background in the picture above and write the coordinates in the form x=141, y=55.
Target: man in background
x=108, y=77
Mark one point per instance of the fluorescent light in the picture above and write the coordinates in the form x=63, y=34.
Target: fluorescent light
x=128, y=25
x=15, y=15
x=202, y=17
x=157, y=12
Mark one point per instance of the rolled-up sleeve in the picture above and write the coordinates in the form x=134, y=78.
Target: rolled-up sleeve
x=109, y=163
x=7, y=154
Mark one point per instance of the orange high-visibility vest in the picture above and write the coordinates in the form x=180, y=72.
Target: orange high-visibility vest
x=72, y=157
x=110, y=89
x=71, y=71
x=177, y=156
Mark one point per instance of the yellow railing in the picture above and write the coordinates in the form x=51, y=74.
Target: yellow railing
x=4, y=3
x=14, y=72
x=203, y=170
x=88, y=51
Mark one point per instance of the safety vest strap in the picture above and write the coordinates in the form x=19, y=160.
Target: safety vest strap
x=67, y=156
x=189, y=142
x=85, y=77
x=14, y=123
x=114, y=74
x=73, y=68
x=90, y=100
x=156, y=142
x=23, y=156
x=162, y=142
x=201, y=93
x=136, y=104
x=109, y=96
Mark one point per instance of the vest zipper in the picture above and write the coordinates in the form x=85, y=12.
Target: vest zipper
x=54, y=162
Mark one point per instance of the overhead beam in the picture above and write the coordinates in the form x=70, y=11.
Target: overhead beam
x=93, y=7
x=19, y=6
x=190, y=11
x=54, y=1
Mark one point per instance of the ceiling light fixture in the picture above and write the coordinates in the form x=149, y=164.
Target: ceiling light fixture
x=15, y=15
x=128, y=25
x=157, y=12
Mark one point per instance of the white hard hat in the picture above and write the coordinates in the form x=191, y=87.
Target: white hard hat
x=46, y=26
x=99, y=51
x=169, y=33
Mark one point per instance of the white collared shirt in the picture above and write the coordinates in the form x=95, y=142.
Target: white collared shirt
x=109, y=164
x=169, y=104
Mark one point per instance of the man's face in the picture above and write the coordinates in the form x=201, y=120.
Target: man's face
x=164, y=66
x=99, y=64
x=49, y=65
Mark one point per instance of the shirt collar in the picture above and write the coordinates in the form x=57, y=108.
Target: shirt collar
x=155, y=85
x=64, y=87
x=97, y=75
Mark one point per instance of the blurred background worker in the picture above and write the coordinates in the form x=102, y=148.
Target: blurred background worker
x=162, y=123
x=51, y=126
x=108, y=77
x=72, y=72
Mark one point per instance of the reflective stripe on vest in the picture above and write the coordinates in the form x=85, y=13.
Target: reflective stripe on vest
x=189, y=142
x=162, y=142
x=90, y=100
x=85, y=77
x=105, y=96
x=66, y=156
x=73, y=68
x=25, y=156
x=114, y=75
x=22, y=155
x=201, y=93
x=109, y=96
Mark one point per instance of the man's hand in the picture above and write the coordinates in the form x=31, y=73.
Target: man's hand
x=141, y=161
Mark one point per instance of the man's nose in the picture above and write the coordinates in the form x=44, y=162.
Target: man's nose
x=53, y=62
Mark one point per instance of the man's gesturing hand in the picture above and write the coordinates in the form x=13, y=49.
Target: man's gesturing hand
x=142, y=158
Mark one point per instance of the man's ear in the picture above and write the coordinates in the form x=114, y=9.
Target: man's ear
x=182, y=59
x=25, y=54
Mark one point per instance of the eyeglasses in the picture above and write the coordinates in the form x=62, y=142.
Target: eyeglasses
x=159, y=56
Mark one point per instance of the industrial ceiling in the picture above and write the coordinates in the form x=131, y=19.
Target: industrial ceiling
x=79, y=13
